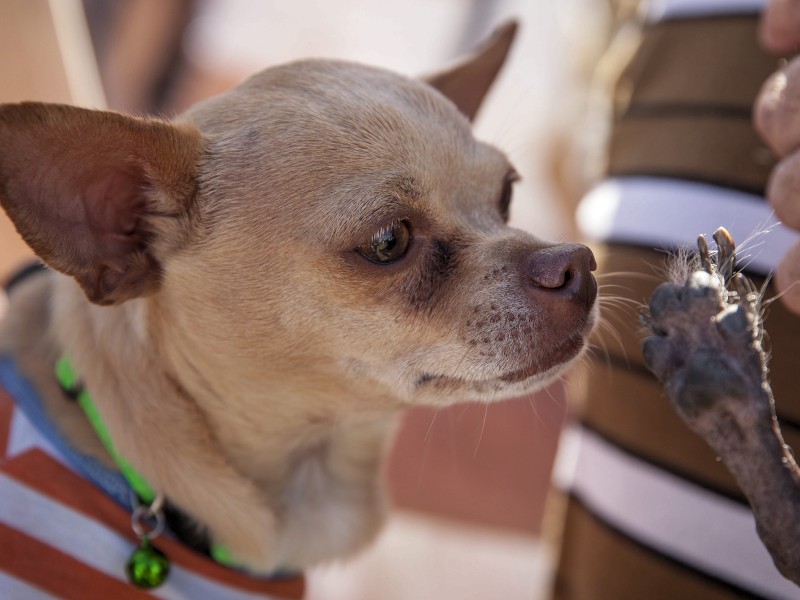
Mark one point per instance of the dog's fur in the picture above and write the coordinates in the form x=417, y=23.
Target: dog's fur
x=706, y=346
x=247, y=360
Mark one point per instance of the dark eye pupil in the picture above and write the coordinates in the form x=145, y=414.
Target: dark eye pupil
x=385, y=245
x=389, y=244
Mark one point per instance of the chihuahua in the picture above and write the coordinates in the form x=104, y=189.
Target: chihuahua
x=253, y=292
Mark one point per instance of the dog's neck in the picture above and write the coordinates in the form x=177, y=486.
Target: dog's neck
x=239, y=474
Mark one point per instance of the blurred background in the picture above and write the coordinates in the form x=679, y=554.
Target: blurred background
x=470, y=482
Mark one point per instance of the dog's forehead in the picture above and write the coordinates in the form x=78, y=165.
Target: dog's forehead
x=320, y=136
x=323, y=115
x=318, y=91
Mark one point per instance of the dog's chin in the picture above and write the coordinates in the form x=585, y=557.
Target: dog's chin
x=555, y=360
x=509, y=384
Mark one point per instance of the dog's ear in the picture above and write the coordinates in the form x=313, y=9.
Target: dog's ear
x=467, y=82
x=98, y=195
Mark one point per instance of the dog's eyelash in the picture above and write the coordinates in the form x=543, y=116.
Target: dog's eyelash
x=378, y=235
x=388, y=244
x=383, y=231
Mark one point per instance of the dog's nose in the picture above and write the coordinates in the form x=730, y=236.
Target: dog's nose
x=564, y=270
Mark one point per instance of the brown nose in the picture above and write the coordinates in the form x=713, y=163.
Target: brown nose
x=564, y=270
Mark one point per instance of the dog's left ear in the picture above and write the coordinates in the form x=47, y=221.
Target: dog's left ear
x=100, y=196
x=467, y=82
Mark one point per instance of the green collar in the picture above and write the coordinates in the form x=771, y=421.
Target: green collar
x=70, y=382
x=68, y=379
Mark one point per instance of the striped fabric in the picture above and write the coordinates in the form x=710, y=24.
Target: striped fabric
x=62, y=537
x=650, y=512
x=678, y=518
x=630, y=210
x=660, y=10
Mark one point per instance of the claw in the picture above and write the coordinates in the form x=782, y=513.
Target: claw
x=705, y=255
x=726, y=253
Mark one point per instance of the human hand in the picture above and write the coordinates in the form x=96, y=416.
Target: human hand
x=779, y=30
x=777, y=119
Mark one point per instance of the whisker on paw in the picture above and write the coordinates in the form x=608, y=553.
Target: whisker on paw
x=766, y=303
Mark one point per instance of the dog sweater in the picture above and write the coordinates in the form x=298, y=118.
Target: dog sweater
x=64, y=536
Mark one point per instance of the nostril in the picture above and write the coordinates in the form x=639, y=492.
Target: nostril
x=550, y=268
x=561, y=267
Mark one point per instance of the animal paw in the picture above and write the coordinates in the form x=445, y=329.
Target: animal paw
x=705, y=339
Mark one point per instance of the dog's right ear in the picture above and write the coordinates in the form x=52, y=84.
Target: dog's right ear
x=467, y=82
x=99, y=196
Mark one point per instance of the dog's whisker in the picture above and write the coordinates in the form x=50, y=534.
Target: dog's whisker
x=600, y=277
x=766, y=302
x=613, y=290
x=607, y=359
x=614, y=307
x=604, y=287
x=483, y=426
x=426, y=439
x=606, y=327
x=463, y=358
x=588, y=362
x=425, y=451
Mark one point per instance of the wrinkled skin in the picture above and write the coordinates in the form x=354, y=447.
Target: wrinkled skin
x=705, y=347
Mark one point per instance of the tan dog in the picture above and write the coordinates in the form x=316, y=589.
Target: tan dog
x=271, y=279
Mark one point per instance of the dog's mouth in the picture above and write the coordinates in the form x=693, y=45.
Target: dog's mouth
x=563, y=354
x=541, y=369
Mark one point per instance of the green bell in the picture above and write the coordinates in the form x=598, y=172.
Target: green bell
x=147, y=567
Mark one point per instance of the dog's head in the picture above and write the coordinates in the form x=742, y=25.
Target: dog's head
x=324, y=222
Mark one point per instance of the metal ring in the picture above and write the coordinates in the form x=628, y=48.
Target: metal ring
x=140, y=517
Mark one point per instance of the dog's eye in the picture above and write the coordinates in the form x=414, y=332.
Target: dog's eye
x=504, y=203
x=388, y=244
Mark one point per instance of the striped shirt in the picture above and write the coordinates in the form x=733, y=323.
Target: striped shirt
x=62, y=536
x=650, y=510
